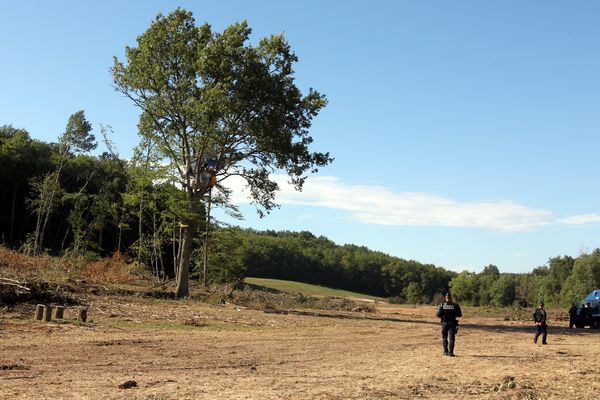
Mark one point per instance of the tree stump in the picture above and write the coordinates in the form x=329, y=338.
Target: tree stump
x=82, y=314
x=58, y=314
x=47, y=313
x=39, y=312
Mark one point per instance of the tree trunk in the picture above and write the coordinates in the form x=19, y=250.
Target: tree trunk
x=183, y=272
x=175, y=252
x=155, y=249
x=206, y=239
x=179, y=243
x=36, y=235
x=139, y=254
x=121, y=229
x=162, y=267
x=46, y=218
x=42, y=229
x=64, y=241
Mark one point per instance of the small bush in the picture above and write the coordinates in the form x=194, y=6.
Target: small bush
x=109, y=270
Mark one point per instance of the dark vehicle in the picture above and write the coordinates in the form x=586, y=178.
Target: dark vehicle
x=588, y=312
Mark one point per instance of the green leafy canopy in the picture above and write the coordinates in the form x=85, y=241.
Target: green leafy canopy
x=207, y=95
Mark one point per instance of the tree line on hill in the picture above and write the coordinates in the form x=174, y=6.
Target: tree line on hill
x=91, y=206
x=304, y=257
x=562, y=281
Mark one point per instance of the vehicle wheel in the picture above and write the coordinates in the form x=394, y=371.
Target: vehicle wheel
x=596, y=324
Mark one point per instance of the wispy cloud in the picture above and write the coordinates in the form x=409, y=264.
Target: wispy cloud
x=580, y=219
x=380, y=205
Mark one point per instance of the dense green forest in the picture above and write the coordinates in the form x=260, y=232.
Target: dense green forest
x=103, y=204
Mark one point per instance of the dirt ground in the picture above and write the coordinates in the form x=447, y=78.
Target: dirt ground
x=190, y=350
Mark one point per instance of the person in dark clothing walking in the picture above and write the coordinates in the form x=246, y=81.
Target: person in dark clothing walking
x=448, y=311
x=572, y=315
x=541, y=322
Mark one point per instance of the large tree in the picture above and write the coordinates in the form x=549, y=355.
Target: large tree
x=217, y=106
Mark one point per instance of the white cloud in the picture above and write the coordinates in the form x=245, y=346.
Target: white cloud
x=379, y=205
x=580, y=219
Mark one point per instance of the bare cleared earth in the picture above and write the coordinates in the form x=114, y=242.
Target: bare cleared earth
x=191, y=350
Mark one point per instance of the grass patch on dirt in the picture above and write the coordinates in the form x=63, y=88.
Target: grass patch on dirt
x=166, y=325
x=308, y=289
x=144, y=325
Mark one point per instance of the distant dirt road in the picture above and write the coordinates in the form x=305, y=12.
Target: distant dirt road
x=188, y=350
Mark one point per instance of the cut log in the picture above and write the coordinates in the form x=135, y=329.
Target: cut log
x=58, y=314
x=12, y=282
x=47, y=313
x=39, y=312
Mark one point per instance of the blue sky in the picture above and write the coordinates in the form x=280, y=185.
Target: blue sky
x=464, y=133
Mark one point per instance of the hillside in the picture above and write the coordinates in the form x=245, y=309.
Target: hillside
x=308, y=289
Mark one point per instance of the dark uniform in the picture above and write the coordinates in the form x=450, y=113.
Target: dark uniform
x=541, y=321
x=448, y=311
x=587, y=312
x=572, y=315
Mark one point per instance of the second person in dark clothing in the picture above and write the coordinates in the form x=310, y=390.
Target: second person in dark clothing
x=572, y=315
x=448, y=311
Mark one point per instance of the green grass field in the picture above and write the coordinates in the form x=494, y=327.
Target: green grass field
x=308, y=289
